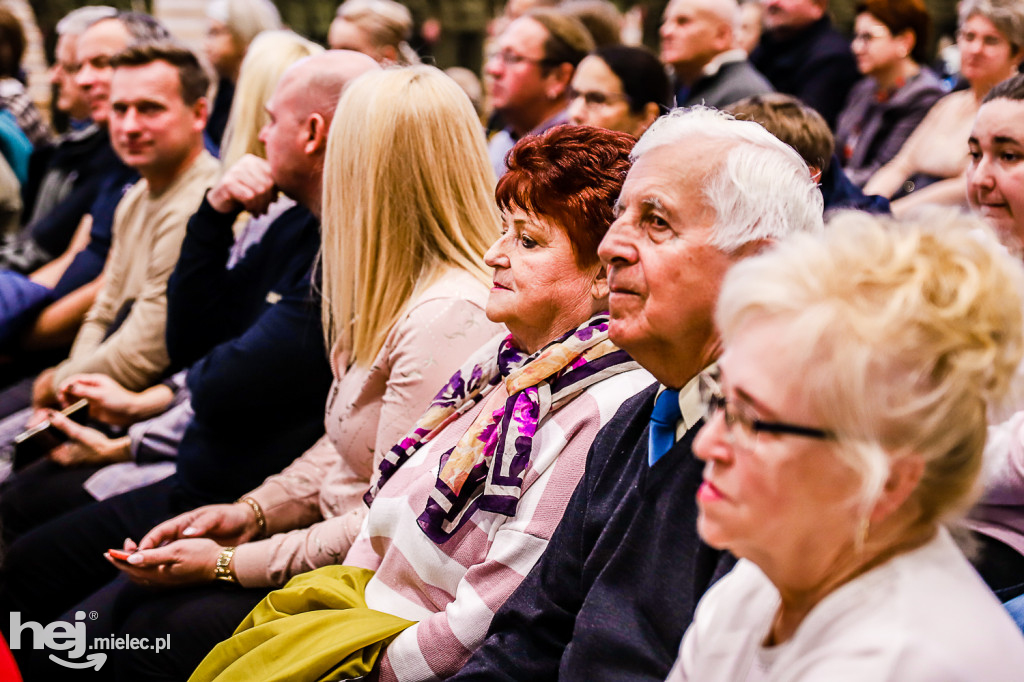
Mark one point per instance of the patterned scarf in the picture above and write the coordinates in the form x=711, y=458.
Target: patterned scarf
x=485, y=469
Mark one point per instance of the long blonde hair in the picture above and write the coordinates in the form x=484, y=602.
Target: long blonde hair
x=408, y=193
x=272, y=53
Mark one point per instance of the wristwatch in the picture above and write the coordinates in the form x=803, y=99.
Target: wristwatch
x=223, y=570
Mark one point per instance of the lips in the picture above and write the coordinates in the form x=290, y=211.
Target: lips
x=707, y=492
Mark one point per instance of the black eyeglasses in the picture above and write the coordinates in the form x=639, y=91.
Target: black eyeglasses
x=745, y=436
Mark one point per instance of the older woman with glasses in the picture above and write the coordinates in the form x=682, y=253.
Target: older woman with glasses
x=845, y=428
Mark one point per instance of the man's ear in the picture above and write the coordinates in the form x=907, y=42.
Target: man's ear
x=201, y=111
x=316, y=134
x=558, y=80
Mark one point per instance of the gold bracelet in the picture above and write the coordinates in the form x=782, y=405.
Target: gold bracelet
x=223, y=570
x=261, y=520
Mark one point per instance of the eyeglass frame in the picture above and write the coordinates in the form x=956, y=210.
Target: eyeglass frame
x=715, y=402
x=510, y=58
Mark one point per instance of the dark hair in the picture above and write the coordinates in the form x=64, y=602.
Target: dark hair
x=142, y=28
x=793, y=122
x=903, y=15
x=571, y=175
x=601, y=18
x=194, y=80
x=1012, y=88
x=12, y=43
x=641, y=73
x=568, y=40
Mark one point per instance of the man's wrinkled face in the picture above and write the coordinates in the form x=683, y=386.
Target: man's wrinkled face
x=96, y=46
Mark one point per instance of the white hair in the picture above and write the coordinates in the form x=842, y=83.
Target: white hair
x=761, y=189
x=78, y=20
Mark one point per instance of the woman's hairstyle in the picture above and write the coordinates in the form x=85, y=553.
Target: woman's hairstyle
x=761, y=189
x=571, y=175
x=1006, y=15
x=793, y=122
x=1012, y=88
x=245, y=19
x=260, y=72
x=408, y=193
x=641, y=73
x=903, y=15
x=385, y=22
x=903, y=335
x=12, y=43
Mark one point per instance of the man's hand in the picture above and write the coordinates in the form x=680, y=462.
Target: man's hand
x=44, y=393
x=87, y=445
x=248, y=184
x=113, y=404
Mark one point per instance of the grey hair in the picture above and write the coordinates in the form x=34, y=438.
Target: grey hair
x=245, y=19
x=1006, y=15
x=75, y=22
x=143, y=28
x=762, y=189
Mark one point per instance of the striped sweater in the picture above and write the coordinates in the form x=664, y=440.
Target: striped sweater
x=453, y=589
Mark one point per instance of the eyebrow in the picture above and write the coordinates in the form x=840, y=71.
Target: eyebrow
x=652, y=203
x=1005, y=139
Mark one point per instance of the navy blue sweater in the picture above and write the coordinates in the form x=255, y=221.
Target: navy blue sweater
x=252, y=337
x=617, y=585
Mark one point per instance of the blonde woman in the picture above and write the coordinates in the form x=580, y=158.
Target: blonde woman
x=846, y=431
x=379, y=28
x=408, y=214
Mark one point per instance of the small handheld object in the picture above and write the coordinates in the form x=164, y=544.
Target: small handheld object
x=119, y=554
x=34, y=443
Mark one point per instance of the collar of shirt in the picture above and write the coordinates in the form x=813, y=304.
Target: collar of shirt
x=691, y=405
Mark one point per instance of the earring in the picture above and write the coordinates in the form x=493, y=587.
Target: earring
x=863, y=527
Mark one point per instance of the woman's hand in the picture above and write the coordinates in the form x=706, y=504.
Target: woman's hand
x=111, y=403
x=87, y=445
x=226, y=524
x=182, y=562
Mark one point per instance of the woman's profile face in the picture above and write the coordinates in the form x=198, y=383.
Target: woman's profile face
x=776, y=499
x=874, y=46
x=224, y=53
x=539, y=291
x=986, y=56
x=598, y=99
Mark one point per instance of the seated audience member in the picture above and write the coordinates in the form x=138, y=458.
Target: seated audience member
x=379, y=28
x=602, y=19
x=531, y=69
x=157, y=115
x=890, y=43
x=619, y=88
x=803, y=129
x=10, y=199
x=13, y=96
x=931, y=165
x=65, y=178
x=314, y=509
x=233, y=25
x=847, y=433
x=698, y=44
x=803, y=55
x=616, y=587
x=466, y=501
x=79, y=473
x=748, y=31
x=995, y=190
x=74, y=278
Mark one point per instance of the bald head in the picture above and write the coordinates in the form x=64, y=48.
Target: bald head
x=300, y=113
x=317, y=81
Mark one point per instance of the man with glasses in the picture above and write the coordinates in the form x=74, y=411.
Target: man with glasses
x=698, y=44
x=616, y=588
x=530, y=72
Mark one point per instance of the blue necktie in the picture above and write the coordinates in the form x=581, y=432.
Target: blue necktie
x=664, y=417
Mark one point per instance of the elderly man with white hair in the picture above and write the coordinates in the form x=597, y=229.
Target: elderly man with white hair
x=616, y=588
x=698, y=44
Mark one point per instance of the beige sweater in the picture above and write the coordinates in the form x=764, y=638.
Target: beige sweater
x=147, y=234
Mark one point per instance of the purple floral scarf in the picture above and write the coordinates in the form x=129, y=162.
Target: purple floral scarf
x=485, y=469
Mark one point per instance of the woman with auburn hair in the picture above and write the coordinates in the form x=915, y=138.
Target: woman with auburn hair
x=890, y=44
x=407, y=217
x=844, y=432
x=465, y=503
